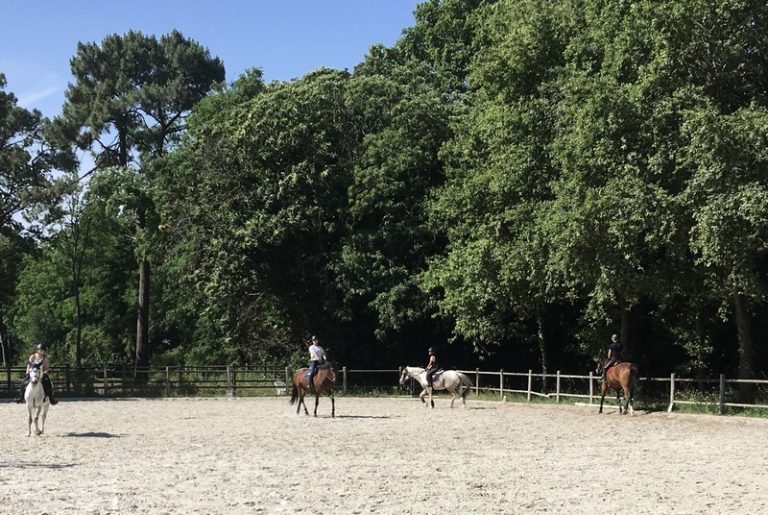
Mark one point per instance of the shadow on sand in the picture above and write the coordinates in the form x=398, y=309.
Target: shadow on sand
x=90, y=435
x=29, y=465
x=367, y=416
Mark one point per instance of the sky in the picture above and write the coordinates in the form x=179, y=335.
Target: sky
x=285, y=38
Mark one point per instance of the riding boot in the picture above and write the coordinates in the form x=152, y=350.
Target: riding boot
x=312, y=385
x=20, y=398
x=48, y=388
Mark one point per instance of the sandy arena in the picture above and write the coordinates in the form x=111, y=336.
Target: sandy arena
x=238, y=456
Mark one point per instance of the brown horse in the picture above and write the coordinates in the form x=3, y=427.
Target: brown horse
x=621, y=377
x=323, y=383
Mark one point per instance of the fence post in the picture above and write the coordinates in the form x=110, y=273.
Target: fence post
x=721, y=404
x=230, y=382
x=287, y=376
x=671, y=392
x=477, y=382
x=591, y=387
x=123, y=377
x=557, y=386
x=167, y=381
x=530, y=383
x=344, y=380
x=501, y=383
x=66, y=378
x=106, y=384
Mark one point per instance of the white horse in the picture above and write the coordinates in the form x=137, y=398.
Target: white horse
x=36, y=399
x=456, y=383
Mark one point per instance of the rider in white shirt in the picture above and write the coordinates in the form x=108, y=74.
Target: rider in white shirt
x=316, y=357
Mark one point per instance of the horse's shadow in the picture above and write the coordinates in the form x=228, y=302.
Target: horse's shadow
x=26, y=464
x=367, y=416
x=90, y=435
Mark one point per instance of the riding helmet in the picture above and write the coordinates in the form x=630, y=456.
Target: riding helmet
x=431, y=349
x=41, y=346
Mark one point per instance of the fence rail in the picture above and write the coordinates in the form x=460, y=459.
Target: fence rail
x=121, y=381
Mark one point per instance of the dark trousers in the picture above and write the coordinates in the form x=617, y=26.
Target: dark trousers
x=431, y=376
x=47, y=387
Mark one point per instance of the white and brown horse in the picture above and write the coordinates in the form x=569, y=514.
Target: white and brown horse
x=456, y=383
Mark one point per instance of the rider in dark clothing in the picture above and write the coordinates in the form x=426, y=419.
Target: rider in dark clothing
x=614, y=353
x=432, y=366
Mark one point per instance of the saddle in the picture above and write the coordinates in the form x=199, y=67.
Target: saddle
x=437, y=375
x=326, y=365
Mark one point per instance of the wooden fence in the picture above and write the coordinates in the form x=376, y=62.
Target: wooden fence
x=121, y=381
x=720, y=393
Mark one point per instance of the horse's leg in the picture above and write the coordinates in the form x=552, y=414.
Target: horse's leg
x=453, y=397
x=304, y=403
x=431, y=402
x=29, y=422
x=46, y=405
x=618, y=400
x=628, y=399
x=422, y=395
x=603, y=390
x=317, y=400
x=37, y=417
x=333, y=406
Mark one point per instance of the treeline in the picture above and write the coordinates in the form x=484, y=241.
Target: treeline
x=512, y=181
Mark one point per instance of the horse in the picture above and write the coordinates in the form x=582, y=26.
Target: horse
x=456, y=383
x=36, y=399
x=323, y=383
x=621, y=377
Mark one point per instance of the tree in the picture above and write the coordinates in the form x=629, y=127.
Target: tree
x=264, y=175
x=27, y=188
x=128, y=105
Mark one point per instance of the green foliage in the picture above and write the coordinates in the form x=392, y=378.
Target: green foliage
x=520, y=177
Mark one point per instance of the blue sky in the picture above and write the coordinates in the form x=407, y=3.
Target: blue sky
x=285, y=38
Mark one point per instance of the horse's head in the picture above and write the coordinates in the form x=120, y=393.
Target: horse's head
x=333, y=367
x=600, y=364
x=35, y=374
x=404, y=376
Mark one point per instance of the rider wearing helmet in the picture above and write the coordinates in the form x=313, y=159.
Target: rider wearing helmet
x=432, y=366
x=316, y=357
x=38, y=360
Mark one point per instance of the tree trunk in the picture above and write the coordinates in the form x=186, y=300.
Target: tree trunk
x=142, y=319
x=542, y=348
x=78, y=327
x=5, y=342
x=744, y=326
x=625, y=327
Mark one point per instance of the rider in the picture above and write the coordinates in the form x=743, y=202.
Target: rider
x=38, y=359
x=316, y=357
x=432, y=366
x=614, y=353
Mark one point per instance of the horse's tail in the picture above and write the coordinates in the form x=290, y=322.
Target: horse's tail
x=294, y=394
x=634, y=373
x=466, y=385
